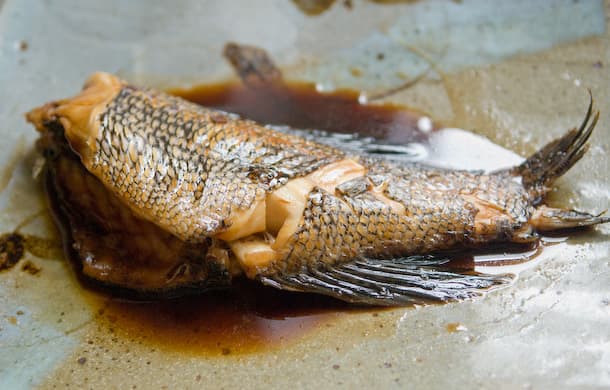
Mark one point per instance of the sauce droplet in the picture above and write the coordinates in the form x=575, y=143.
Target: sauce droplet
x=11, y=250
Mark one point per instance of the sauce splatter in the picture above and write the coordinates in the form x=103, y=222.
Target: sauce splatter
x=11, y=250
x=31, y=268
x=454, y=327
x=13, y=247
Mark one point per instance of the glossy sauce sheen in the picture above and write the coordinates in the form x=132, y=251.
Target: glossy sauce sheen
x=247, y=319
x=299, y=105
x=252, y=318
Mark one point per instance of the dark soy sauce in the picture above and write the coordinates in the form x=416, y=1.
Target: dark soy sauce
x=299, y=105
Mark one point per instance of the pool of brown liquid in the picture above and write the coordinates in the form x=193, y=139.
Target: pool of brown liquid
x=245, y=319
x=301, y=106
x=249, y=317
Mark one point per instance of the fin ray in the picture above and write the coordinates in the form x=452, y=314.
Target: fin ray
x=391, y=282
x=548, y=219
x=557, y=157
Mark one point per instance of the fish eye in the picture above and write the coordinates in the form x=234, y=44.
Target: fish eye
x=50, y=153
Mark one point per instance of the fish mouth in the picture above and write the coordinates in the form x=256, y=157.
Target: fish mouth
x=112, y=248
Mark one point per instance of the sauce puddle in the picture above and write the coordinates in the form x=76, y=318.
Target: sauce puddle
x=299, y=105
x=246, y=319
x=252, y=318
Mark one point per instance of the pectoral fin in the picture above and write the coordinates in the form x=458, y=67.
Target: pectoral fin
x=391, y=282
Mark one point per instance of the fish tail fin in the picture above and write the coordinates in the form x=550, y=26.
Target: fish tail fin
x=556, y=158
x=548, y=219
x=391, y=282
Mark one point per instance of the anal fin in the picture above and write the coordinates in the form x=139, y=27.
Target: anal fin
x=547, y=219
x=391, y=282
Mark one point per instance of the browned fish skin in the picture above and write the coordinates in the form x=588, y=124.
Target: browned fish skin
x=188, y=168
x=204, y=179
x=438, y=215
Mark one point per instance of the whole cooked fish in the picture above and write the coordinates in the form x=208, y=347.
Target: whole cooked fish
x=156, y=194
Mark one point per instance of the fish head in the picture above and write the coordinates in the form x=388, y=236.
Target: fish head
x=78, y=117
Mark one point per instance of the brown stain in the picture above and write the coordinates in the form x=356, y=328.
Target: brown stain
x=318, y=7
x=14, y=246
x=388, y=2
x=313, y=7
x=46, y=248
x=356, y=72
x=454, y=327
x=12, y=163
x=11, y=250
x=31, y=268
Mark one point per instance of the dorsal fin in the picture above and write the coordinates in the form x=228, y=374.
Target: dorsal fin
x=557, y=157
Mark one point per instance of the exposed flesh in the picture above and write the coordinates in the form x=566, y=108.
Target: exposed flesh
x=284, y=214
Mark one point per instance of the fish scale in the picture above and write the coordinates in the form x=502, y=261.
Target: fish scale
x=206, y=160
